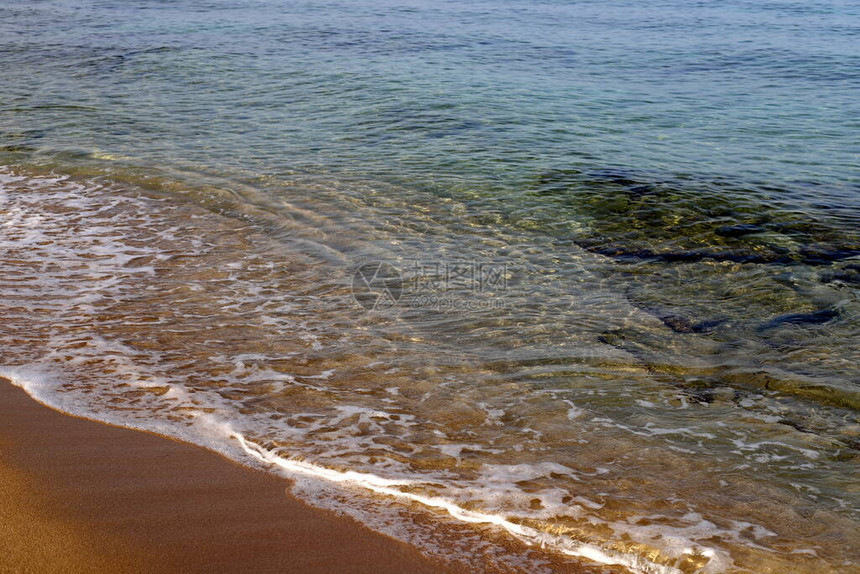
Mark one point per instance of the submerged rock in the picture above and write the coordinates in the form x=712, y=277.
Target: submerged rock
x=848, y=275
x=739, y=230
x=638, y=216
x=683, y=324
x=814, y=318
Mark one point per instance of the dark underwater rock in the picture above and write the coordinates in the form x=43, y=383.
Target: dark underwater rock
x=796, y=425
x=850, y=275
x=701, y=391
x=682, y=324
x=641, y=216
x=19, y=148
x=738, y=230
x=815, y=318
x=678, y=323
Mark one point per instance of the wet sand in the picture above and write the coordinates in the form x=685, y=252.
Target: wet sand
x=81, y=496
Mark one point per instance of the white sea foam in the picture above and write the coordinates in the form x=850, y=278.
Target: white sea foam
x=218, y=435
x=236, y=362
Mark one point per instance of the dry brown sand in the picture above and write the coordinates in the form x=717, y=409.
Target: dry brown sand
x=81, y=496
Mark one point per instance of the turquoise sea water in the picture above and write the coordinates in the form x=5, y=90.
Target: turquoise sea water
x=619, y=241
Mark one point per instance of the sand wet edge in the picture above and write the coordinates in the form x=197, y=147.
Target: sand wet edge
x=82, y=496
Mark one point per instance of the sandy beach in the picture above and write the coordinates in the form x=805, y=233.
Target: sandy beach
x=80, y=496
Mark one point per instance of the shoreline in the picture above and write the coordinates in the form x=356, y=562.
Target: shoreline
x=80, y=495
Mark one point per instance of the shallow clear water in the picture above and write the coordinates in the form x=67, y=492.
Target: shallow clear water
x=617, y=313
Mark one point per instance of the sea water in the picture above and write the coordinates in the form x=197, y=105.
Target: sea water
x=531, y=285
